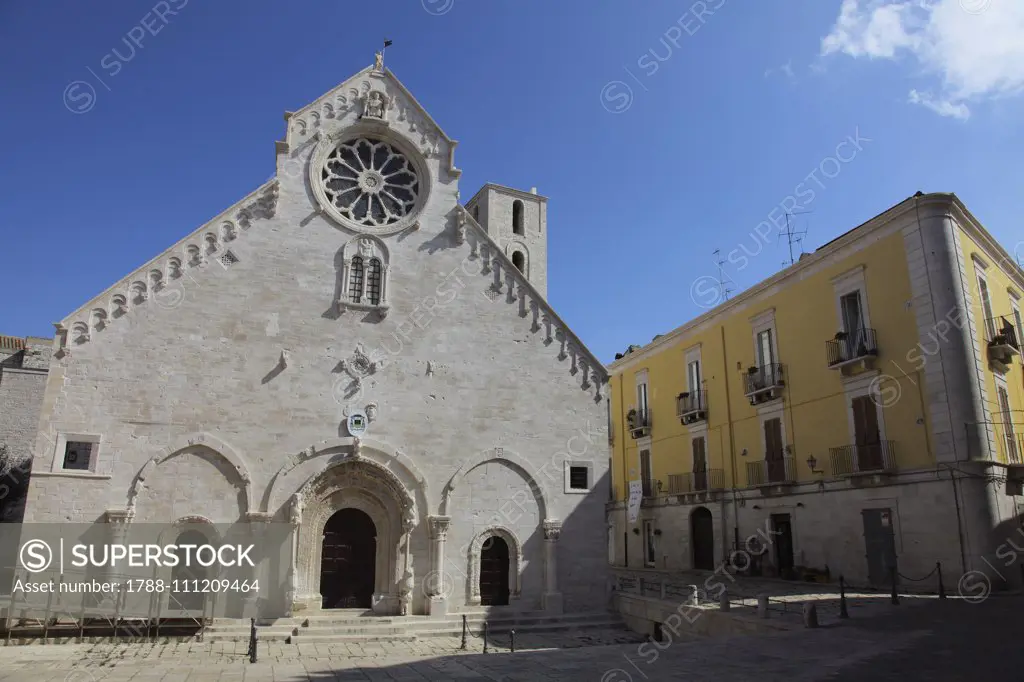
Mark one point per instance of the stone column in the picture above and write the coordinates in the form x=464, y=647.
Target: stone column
x=119, y=520
x=408, y=585
x=295, y=517
x=436, y=588
x=253, y=600
x=552, y=599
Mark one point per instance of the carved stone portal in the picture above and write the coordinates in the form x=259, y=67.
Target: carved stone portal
x=377, y=492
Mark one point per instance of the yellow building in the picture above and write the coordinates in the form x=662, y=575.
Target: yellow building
x=863, y=405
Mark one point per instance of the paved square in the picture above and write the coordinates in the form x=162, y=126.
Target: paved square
x=940, y=640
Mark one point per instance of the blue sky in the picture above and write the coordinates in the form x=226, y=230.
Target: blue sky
x=657, y=134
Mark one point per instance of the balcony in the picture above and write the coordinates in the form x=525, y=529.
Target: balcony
x=769, y=472
x=710, y=480
x=854, y=351
x=1005, y=434
x=639, y=422
x=692, y=407
x=1003, y=344
x=874, y=458
x=763, y=383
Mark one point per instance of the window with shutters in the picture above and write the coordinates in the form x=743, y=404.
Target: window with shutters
x=1009, y=434
x=700, y=464
x=774, y=450
x=646, y=479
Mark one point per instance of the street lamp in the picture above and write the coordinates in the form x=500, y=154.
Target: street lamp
x=812, y=462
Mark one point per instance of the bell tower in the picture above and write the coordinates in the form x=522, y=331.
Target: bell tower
x=518, y=222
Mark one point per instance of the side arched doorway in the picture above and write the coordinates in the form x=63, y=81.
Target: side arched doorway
x=494, y=569
x=187, y=593
x=348, y=560
x=702, y=539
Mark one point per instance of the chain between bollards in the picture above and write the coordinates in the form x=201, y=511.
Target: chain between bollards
x=252, y=640
x=485, y=636
x=843, y=612
x=895, y=597
x=463, y=632
x=942, y=587
x=512, y=636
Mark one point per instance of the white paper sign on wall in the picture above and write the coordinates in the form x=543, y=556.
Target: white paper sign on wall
x=636, y=494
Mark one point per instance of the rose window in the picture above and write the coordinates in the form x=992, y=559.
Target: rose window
x=370, y=182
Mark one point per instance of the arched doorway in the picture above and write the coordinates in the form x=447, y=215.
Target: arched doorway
x=702, y=537
x=348, y=560
x=494, y=569
x=187, y=590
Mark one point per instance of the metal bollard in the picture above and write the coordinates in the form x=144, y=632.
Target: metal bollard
x=463, y=632
x=810, y=615
x=843, y=613
x=895, y=598
x=252, y=640
x=942, y=587
x=512, y=636
x=723, y=601
x=762, y=606
x=485, y=636
x=695, y=596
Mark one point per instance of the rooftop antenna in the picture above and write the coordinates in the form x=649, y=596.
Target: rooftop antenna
x=722, y=288
x=794, y=237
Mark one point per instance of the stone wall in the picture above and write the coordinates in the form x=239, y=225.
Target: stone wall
x=827, y=529
x=22, y=380
x=232, y=369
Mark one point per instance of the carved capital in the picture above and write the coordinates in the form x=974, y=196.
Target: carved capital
x=439, y=526
x=552, y=529
x=120, y=517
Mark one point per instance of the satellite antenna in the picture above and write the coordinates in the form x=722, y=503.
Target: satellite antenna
x=793, y=237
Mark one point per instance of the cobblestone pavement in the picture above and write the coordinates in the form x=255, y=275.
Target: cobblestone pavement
x=939, y=641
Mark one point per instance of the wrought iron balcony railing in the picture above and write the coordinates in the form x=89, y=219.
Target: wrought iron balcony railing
x=639, y=422
x=1005, y=432
x=851, y=346
x=771, y=471
x=763, y=378
x=692, y=407
x=696, y=482
x=870, y=458
x=1002, y=341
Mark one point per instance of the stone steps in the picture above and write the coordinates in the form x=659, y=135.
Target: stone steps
x=335, y=628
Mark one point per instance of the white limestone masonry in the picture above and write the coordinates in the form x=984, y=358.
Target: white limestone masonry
x=220, y=377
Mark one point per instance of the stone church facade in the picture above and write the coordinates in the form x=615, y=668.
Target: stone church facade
x=352, y=351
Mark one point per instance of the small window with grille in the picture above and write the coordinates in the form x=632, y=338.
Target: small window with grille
x=78, y=455
x=373, y=273
x=579, y=477
x=355, y=280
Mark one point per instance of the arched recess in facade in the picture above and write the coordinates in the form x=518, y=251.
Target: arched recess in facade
x=299, y=468
x=515, y=562
x=208, y=442
x=358, y=474
x=510, y=459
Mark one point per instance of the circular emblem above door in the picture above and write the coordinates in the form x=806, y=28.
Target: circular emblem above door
x=357, y=422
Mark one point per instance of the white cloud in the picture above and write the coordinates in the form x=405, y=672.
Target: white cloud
x=974, y=48
x=942, y=107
